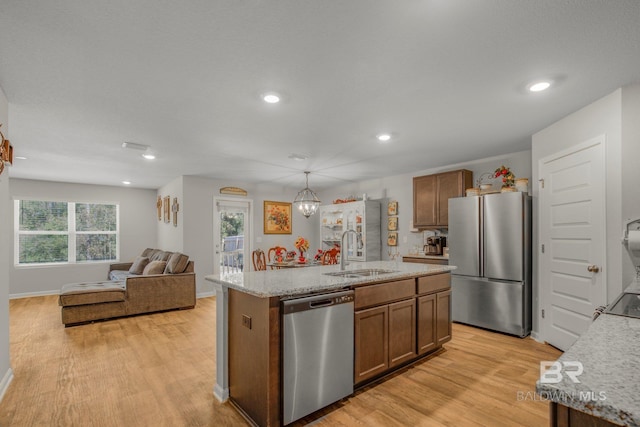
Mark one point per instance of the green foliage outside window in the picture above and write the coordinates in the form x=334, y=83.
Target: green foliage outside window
x=45, y=234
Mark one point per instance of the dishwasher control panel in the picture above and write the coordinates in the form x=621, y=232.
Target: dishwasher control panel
x=316, y=301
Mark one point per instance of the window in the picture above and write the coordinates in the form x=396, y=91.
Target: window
x=65, y=232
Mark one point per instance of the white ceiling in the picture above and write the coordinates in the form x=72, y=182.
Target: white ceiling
x=446, y=77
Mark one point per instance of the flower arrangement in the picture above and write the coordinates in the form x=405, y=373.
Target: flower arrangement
x=302, y=245
x=507, y=176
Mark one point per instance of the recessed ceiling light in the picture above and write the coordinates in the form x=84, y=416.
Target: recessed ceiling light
x=384, y=137
x=126, y=182
x=149, y=156
x=539, y=86
x=271, y=97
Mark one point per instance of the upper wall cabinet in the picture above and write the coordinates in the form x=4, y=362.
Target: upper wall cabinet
x=431, y=194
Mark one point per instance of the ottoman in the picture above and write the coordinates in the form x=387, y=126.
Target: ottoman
x=86, y=302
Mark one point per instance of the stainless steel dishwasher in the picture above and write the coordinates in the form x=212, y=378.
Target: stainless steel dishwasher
x=317, y=352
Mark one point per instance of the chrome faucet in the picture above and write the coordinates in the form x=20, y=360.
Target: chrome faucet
x=344, y=248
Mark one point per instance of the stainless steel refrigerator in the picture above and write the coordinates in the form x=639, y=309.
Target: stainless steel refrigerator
x=490, y=244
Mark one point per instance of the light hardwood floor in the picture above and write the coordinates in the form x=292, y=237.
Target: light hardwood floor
x=159, y=370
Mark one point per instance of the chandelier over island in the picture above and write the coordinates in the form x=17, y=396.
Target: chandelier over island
x=307, y=201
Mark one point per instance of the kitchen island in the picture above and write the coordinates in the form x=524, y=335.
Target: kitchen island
x=401, y=315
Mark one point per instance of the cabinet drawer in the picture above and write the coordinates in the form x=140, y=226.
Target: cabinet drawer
x=437, y=282
x=383, y=293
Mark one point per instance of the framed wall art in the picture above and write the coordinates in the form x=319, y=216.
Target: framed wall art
x=175, y=207
x=392, y=208
x=392, y=238
x=159, y=207
x=167, y=209
x=392, y=223
x=277, y=217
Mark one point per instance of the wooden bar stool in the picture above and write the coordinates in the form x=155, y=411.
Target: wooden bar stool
x=330, y=256
x=259, y=260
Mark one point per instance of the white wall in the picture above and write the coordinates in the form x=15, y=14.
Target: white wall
x=171, y=238
x=5, y=248
x=630, y=168
x=137, y=231
x=400, y=189
x=601, y=117
x=197, y=210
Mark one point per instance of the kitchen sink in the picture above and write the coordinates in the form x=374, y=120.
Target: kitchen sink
x=360, y=273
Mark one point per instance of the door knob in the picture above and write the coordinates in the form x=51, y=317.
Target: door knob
x=593, y=269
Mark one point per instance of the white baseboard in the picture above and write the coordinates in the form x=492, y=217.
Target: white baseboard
x=222, y=394
x=4, y=384
x=33, y=294
x=206, y=294
x=535, y=336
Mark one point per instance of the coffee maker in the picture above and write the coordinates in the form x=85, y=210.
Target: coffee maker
x=435, y=245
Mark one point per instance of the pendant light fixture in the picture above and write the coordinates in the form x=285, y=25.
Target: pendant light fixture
x=306, y=201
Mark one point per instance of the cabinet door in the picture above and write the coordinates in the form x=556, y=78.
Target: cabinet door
x=402, y=332
x=424, y=200
x=448, y=186
x=371, y=342
x=443, y=317
x=426, y=323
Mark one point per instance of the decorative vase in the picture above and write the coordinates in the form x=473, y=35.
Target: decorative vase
x=301, y=258
x=485, y=187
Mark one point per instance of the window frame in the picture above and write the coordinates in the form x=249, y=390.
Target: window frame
x=71, y=233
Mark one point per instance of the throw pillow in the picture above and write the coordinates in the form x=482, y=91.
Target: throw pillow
x=154, y=267
x=177, y=263
x=147, y=252
x=160, y=256
x=138, y=265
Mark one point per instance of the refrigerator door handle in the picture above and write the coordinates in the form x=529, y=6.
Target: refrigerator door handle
x=481, y=232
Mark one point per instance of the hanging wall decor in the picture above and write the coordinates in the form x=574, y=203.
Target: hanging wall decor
x=175, y=208
x=392, y=238
x=392, y=223
x=159, y=208
x=392, y=208
x=167, y=209
x=277, y=217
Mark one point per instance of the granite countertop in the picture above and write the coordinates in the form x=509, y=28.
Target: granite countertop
x=298, y=281
x=422, y=256
x=609, y=385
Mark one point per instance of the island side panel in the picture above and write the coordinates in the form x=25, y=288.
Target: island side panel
x=254, y=356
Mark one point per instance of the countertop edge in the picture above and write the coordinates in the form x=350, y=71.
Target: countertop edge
x=608, y=381
x=331, y=283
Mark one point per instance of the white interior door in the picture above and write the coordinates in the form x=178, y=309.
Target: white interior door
x=232, y=219
x=572, y=238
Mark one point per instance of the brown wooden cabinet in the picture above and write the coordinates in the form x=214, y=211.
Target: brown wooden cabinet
x=427, y=340
x=431, y=194
x=434, y=312
x=443, y=317
x=402, y=332
x=396, y=322
x=371, y=334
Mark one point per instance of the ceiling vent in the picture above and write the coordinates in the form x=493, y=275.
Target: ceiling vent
x=135, y=146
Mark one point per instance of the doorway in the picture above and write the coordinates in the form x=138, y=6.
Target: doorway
x=572, y=239
x=232, y=221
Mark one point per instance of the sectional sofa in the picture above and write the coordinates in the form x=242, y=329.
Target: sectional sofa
x=155, y=281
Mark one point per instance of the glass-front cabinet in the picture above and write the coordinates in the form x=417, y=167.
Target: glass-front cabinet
x=363, y=217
